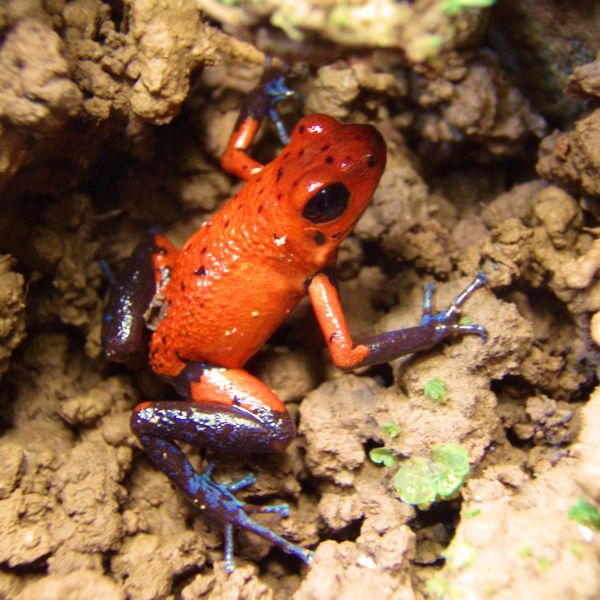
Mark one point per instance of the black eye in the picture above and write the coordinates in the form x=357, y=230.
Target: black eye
x=327, y=204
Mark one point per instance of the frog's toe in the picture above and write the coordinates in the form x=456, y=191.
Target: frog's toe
x=473, y=328
x=447, y=319
x=234, y=514
x=283, y=510
x=236, y=486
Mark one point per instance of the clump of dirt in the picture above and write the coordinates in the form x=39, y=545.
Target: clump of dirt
x=112, y=121
x=12, y=305
x=541, y=43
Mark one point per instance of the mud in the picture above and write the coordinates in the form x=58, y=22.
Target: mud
x=112, y=119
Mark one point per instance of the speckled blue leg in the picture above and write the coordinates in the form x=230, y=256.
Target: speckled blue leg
x=217, y=499
x=228, y=552
x=256, y=424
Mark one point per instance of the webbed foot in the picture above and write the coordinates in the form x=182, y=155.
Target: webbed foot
x=219, y=500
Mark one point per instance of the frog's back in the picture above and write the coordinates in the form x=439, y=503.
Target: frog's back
x=232, y=285
x=243, y=272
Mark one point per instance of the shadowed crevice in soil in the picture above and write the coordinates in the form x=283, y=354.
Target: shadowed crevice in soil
x=435, y=529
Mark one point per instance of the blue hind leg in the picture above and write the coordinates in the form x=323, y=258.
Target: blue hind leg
x=255, y=426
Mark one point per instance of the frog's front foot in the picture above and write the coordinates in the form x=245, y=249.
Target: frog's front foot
x=447, y=319
x=219, y=500
x=275, y=90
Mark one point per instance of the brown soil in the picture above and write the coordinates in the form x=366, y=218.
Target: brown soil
x=112, y=119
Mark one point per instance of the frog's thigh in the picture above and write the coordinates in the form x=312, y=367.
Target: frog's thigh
x=225, y=409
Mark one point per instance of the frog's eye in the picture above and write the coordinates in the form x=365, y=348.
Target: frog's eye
x=327, y=204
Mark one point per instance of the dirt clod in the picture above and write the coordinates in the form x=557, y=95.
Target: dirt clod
x=113, y=117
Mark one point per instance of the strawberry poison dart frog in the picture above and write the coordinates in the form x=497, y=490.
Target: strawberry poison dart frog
x=232, y=284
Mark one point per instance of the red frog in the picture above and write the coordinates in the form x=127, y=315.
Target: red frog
x=222, y=295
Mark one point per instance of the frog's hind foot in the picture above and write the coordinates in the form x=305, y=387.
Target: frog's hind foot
x=218, y=499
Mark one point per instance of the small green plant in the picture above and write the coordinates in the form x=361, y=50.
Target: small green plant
x=576, y=549
x=421, y=481
x=585, y=513
x=490, y=590
x=391, y=429
x=438, y=588
x=426, y=46
x=471, y=513
x=459, y=555
x=525, y=551
x=543, y=563
x=436, y=389
x=383, y=456
x=454, y=7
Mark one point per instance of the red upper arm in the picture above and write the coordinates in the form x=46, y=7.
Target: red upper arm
x=330, y=314
x=234, y=159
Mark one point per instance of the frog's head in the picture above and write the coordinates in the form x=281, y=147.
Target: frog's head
x=327, y=174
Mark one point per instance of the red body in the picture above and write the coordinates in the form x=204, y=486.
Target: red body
x=237, y=278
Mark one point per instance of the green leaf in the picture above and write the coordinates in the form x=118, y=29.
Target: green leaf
x=447, y=481
x=383, y=456
x=421, y=481
x=544, y=563
x=415, y=482
x=525, y=551
x=451, y=7
x=460, y=555
x=454, y=7
x=452, y=461
x=452, y=456
x=585, y=513
x=435, y=389
x=390, y=429
x=476, y=3
x=426, y=46
x=438, y=588
x=576, y=549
